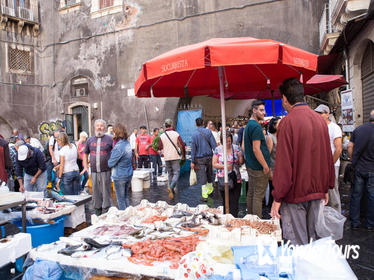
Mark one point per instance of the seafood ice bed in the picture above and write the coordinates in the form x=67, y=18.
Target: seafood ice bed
x=159, y=240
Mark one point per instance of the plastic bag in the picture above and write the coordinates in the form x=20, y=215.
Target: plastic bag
x=42, y=269
x=322, y=259
x=330, y=222
x=193, y=179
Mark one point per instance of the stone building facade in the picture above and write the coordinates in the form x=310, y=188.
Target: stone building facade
x=87, y=54
x=347, y=35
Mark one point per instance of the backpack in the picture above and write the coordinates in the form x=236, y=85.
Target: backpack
x=155, y=143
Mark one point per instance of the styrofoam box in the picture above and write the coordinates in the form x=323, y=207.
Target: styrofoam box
x=19, y=245
x=77, y=217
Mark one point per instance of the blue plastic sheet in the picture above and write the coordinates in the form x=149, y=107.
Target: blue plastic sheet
x=186, y=124
x=43, y=270
x=279, y=110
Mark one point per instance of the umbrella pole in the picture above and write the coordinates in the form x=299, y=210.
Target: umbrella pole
x=223, y=113
x=272, y=102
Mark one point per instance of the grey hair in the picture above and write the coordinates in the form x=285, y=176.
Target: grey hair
x=83, y=134
x=100, y=121
x=371, y=116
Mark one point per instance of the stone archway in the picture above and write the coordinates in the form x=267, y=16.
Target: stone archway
x=77, y=110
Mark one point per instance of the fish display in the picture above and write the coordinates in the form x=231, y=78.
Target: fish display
x=169, y=249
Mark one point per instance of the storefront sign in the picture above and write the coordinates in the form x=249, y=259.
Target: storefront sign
x=347, y=110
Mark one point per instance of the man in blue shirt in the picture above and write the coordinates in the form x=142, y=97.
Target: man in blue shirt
x=202, y=147
x=257, y=159
x=33, y=162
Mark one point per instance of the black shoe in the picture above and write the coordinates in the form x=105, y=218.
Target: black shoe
x=370, y=229
x=355, y=227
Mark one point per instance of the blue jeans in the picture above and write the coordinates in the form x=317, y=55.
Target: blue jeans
x=156, y=164
x=173, y=169
x=71, y=181
x=39, y=186
x=364, y=184
x=122, y=193
x=84, y=180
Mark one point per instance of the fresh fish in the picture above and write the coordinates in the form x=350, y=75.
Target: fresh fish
x=180, y=214
x=120, y=254
x=69, y=250
x=83, y=254
x=94, y=243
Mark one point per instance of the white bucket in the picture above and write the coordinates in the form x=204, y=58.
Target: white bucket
x=141, y=174
x=147, y=182
x=136, y=184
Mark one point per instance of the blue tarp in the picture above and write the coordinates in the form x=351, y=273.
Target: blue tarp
x=277, y=106
x=186, y=124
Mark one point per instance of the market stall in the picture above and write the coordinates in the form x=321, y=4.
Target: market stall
x=158, y=240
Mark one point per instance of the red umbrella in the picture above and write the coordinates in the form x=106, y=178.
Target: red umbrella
x=318, y=83
x=237, y=65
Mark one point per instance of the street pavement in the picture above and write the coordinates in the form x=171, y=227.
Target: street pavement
x=363, y=266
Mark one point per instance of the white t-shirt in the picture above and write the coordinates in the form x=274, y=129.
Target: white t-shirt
x=132, y=141
x=56, y=151
x=70, y=155
x=334, y=132
x=36, y=144
x=216, y=136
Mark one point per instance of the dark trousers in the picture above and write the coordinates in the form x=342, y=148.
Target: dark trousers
x=143, y=161
x=299, y=221
x=234, y=196
x=204, y=170
x=50, y=166
x=85, y=175
x=364, y=184
x=156, y=164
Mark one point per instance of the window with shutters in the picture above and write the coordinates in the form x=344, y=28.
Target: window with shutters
x=106, y=3
x=19, y=60
x=367, y=77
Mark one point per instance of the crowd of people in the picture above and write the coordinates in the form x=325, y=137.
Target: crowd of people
x=296, y=157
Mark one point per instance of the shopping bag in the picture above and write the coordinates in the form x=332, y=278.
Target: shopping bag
x=329, y=222
x=193, y=179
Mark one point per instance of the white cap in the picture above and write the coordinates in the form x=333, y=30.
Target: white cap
x=22, y=152
x=322, y=109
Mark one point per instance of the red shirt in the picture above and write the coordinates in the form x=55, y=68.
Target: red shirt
x=143, y=141
x=304, y=167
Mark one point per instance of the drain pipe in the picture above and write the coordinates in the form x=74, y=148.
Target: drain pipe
x=346, y=61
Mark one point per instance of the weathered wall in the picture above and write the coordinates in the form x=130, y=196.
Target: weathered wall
x=112, y=60
x=356, y=53
x=20, y=104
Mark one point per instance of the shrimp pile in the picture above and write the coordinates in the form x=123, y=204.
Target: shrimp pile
x=169, y=249
x=154, y=218
x=261, y=226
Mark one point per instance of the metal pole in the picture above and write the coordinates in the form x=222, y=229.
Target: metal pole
x=223, y=113
x=146, y=118
x=272, y=102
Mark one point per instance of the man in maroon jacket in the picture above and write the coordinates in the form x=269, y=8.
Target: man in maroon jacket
x=304, y=167
x=5, y=162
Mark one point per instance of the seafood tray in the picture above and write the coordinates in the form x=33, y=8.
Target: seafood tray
x=48, y=213
x=246, y=230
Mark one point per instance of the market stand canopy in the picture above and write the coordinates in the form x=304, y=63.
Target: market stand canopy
x=249, y=65
x=316, y=84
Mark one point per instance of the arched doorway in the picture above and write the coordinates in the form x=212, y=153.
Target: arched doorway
x=80, y=113
x=367, y=77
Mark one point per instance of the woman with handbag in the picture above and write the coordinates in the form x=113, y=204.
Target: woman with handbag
x=234, y=160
